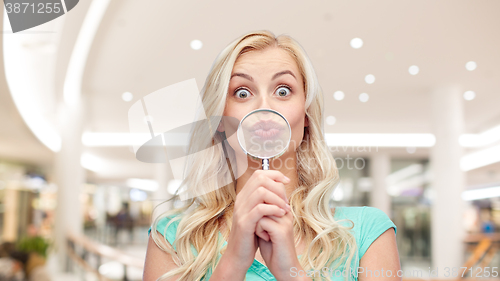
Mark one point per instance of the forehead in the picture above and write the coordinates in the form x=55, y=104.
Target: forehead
x=269, y=59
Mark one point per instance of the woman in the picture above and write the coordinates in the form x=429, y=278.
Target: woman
x=241, y=225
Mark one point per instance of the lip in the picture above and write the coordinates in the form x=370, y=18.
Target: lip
x=265, y=125
x=266, y=134
x=266, y=129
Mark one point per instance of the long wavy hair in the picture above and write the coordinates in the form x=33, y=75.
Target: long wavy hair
x=200, y=217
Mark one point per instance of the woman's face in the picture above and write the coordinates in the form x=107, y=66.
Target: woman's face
x=268, y=78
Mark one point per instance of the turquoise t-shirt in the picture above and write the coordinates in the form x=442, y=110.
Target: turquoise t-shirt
x=369, y=224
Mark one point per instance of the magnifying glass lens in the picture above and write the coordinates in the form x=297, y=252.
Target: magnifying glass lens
x=264, y=134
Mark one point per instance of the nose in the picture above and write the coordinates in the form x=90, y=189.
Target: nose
x=264, y=102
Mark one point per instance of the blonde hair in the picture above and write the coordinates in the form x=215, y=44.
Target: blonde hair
x=318, y=176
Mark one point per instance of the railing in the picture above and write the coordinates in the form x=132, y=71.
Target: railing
x=484, y=247
x=79, y=248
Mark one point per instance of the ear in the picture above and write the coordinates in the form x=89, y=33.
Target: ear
x=306, y=121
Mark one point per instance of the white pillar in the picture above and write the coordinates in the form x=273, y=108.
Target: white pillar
x=448, y=179
x=380, y=168
x=70, y=177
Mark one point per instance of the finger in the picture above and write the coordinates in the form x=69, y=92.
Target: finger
x=262, y=210
x=275, y=175
x=270, y=226
x=276, y=187
x=264, y=195
x=259, y=231
x=275, y=218
x=266, y=179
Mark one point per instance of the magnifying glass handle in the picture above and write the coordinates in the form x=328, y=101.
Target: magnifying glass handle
x=265, y=164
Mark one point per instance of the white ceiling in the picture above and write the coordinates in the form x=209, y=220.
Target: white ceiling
x=141, y=54
x=142, y=46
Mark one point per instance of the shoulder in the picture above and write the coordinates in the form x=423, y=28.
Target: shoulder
x=348, y=212
x=167, y=226
x=346, y=215
x=168, y=222
x=369, y=224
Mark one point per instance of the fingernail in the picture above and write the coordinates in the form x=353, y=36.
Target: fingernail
x=288, y=207
x=287, y=179
x=283, y=212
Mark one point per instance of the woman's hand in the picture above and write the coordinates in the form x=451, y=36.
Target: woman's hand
x=279, y=250
x=262, y=195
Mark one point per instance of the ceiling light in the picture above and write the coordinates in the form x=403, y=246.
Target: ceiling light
x=370, y=78
x=480, y=158
x=94, y=139
x=92, y=162
x=484, y=138
x=91, y=139
x=127, y=96
x=338, y=95
x=481, y=193
x=469, y=95
x=471, y=65
x=149, y=185
x=356, y=43
x=413, y=70
x=381, y=140
x=196, y=44
x=363, y=97
x=330, y=120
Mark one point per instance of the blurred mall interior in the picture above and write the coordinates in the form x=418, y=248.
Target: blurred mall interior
x=411, y=90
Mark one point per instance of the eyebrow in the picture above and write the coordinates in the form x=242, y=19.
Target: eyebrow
x=246, y=76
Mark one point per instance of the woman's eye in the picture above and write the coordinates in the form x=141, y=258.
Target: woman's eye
x=283, y=91
x=242, y=93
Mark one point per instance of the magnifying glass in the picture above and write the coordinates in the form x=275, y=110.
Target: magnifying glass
x=264, y=134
